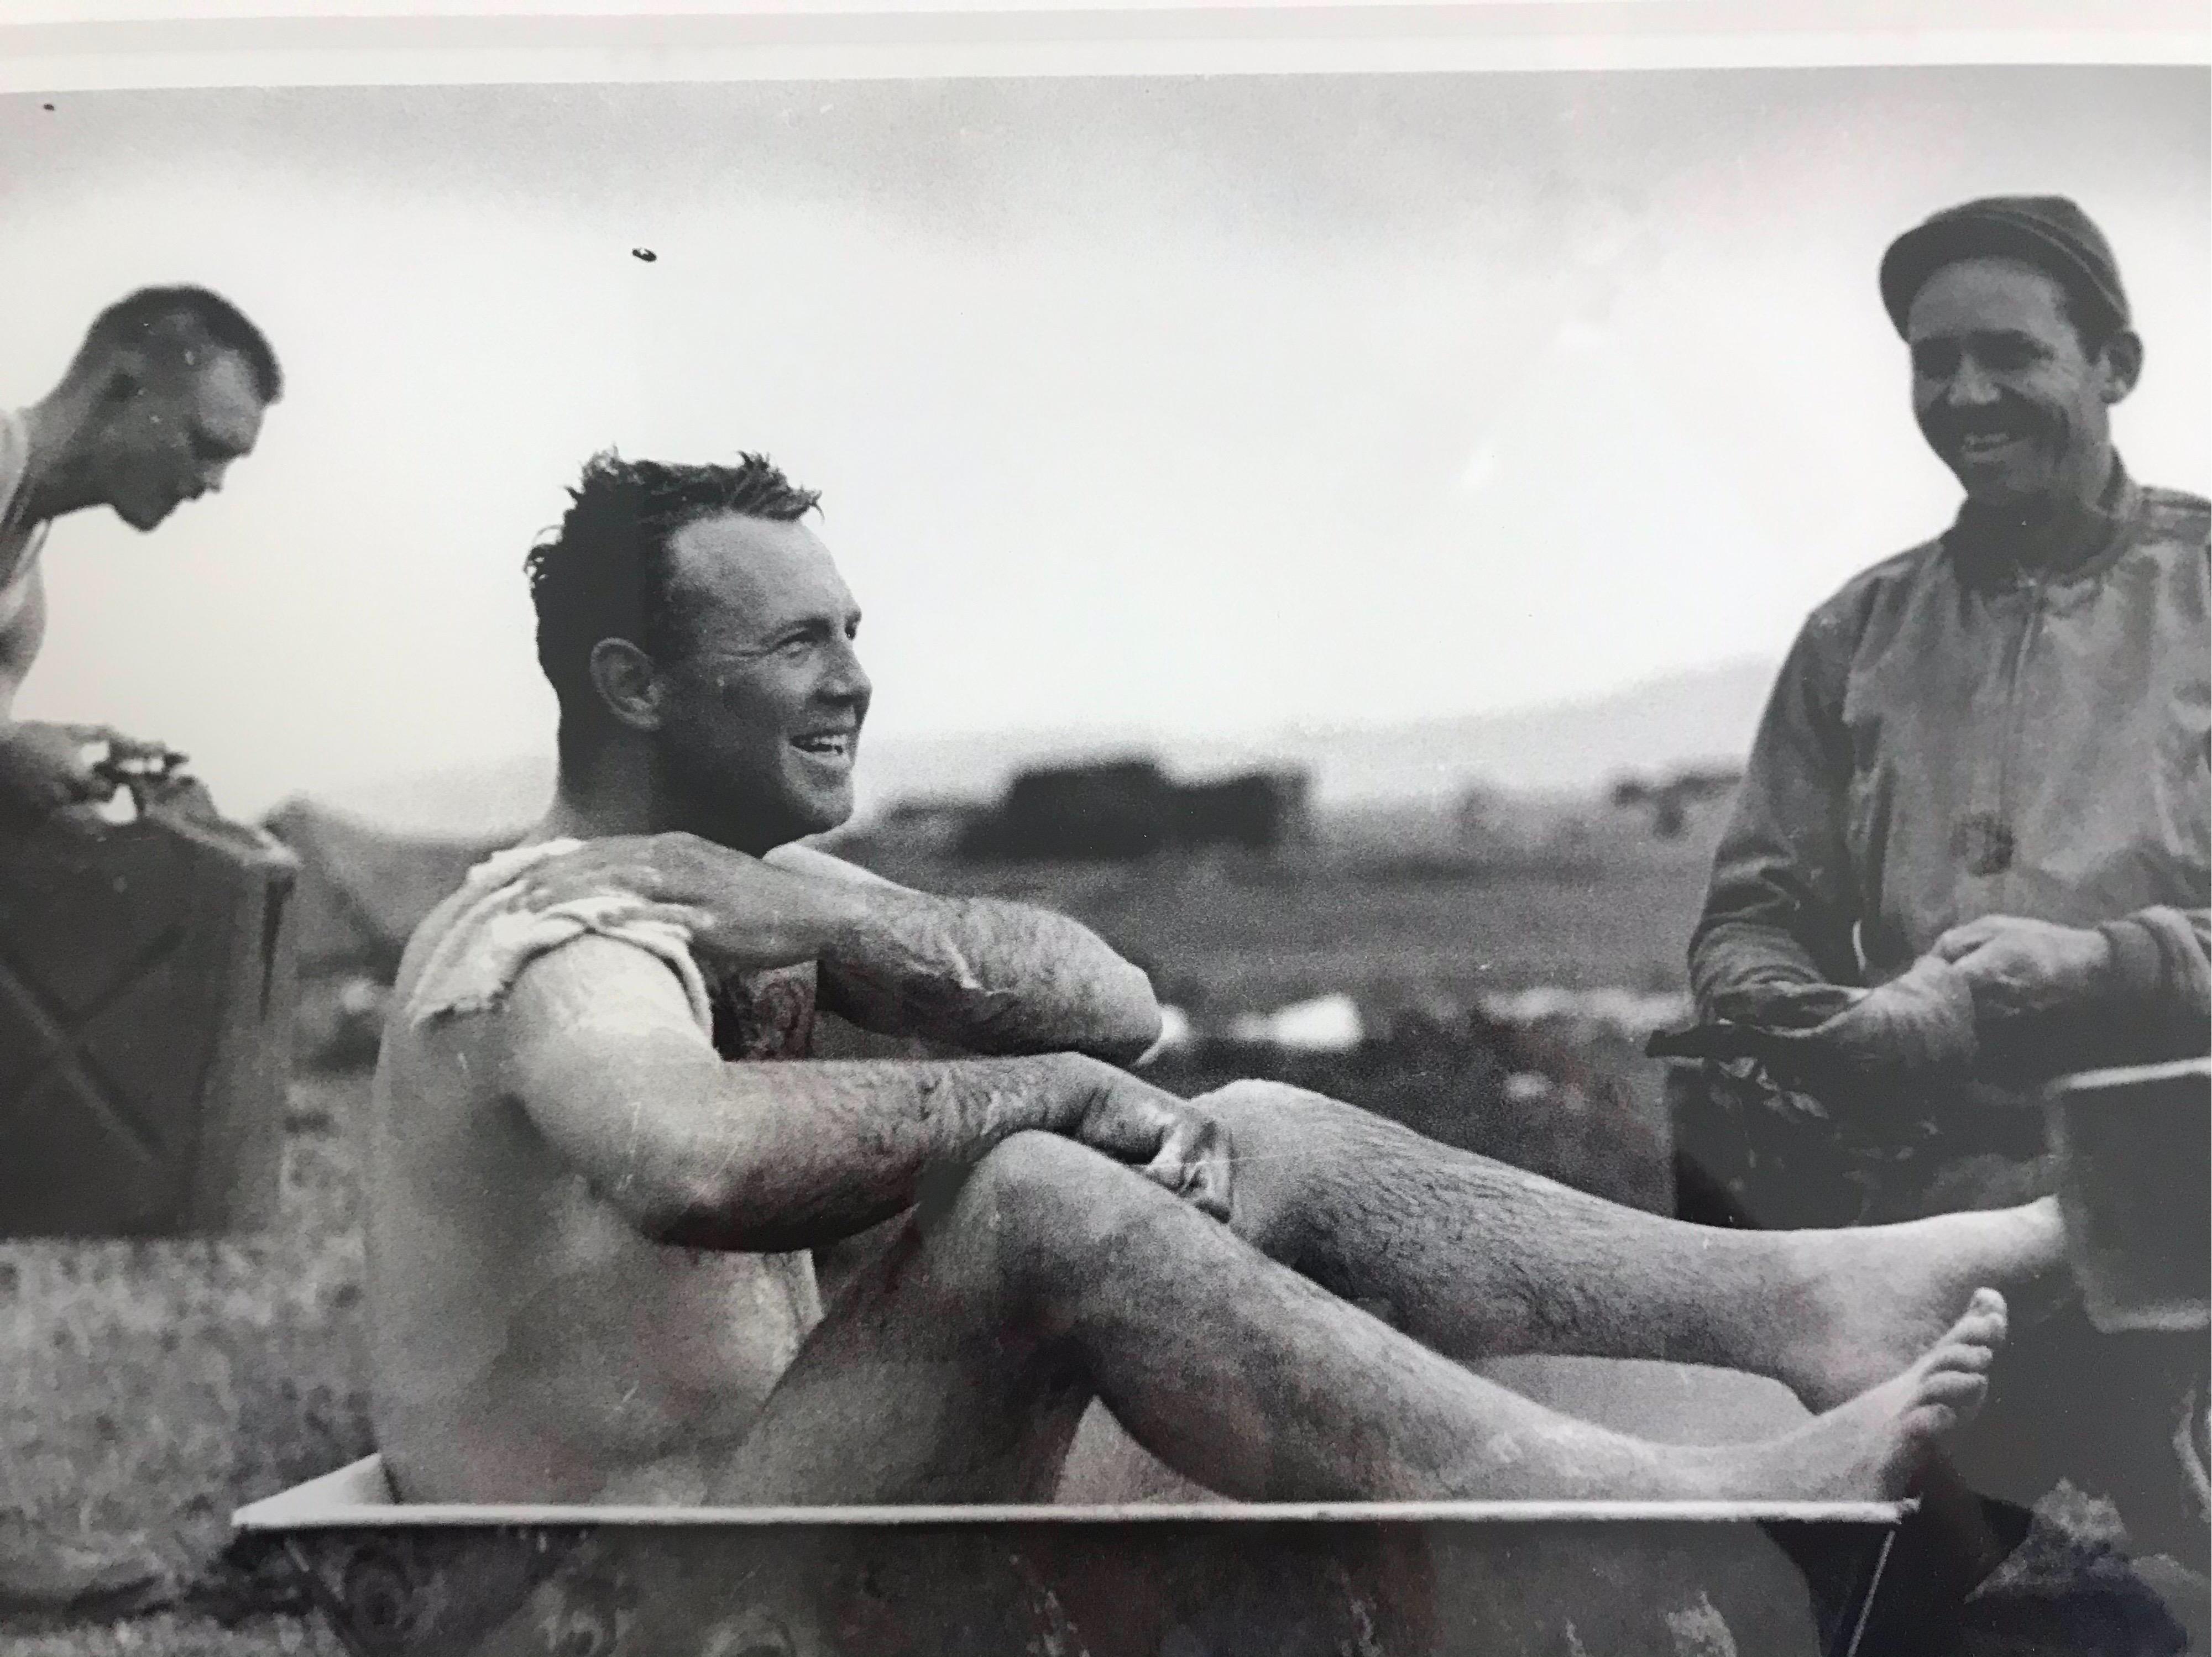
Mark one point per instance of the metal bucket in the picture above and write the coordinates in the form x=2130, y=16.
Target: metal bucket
x=2134, y=1153
x=1460, y=1579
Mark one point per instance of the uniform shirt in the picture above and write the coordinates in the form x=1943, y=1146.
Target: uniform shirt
x=1955, y=735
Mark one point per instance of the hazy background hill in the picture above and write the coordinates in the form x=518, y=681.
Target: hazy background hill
x=1703, y=717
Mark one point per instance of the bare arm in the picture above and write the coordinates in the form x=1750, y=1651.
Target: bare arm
x=44, y=765
x=601, y=1053
x=986, y=976
x=19, y=644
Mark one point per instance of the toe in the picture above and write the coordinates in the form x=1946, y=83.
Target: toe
x=1954, y=1386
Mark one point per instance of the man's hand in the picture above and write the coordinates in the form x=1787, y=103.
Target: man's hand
x=2019, y=967
x=743, y=914
x=48, y=767
x=1166, y=1138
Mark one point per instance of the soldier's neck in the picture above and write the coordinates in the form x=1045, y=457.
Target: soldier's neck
x=609, y=793
x=2053, y=533
x=56, y=476
x=620, y=791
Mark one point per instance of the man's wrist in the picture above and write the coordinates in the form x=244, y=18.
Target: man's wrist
x=2133, y=965
x=848, y=920
x=1047, y=1092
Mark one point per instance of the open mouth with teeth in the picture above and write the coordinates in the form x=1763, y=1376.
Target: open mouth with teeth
x=1985, y=444
x=827, y=744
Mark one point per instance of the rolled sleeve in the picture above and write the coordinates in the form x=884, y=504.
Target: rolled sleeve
x=2160, y=979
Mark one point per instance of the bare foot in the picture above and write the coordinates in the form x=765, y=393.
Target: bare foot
x=1868, y=1302
x=1872, y=1448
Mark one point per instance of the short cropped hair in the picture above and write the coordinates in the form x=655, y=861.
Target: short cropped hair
x=604, y=574
x=155, y=315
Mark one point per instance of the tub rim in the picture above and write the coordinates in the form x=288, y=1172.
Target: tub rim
x=358, y=1497
x=2111, y=1075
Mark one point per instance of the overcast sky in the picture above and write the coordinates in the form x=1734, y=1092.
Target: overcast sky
x=1206, y=406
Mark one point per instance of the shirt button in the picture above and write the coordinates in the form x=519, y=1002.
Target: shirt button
x=1984, y=844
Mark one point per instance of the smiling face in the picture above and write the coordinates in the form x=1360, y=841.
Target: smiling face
x=2005, y=391
x=764, y=695
x=172, y=435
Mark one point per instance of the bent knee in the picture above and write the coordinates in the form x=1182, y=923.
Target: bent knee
x=1042, y=1195
x=1031, y=1167
x=1271, y=1123
x=1262, y=1104
x=1280, y=1136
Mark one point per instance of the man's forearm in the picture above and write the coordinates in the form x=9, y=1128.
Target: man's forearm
x=1779, y=911
x=796, y=1155
x=985, y=976
x=20, y=640
x=1739, y=968
x=988, y=976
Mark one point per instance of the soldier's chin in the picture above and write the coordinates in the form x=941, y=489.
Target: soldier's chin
x=1995, y=486
x=145, y=515
x=826, y=809
x=796, y=810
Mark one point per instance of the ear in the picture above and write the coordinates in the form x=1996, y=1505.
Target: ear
x=124, y=374
x=2121, y=364
x=628, y=683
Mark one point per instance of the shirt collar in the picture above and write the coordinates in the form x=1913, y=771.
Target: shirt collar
x=1988, y=543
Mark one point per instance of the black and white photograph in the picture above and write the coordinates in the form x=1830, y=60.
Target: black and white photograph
x=1262, y=857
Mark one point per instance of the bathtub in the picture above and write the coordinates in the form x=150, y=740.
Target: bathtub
x=1458, y=1579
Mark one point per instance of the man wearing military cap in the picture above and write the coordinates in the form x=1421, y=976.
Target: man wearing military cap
x=1985, y=761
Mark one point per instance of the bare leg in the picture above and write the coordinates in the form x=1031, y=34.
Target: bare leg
x=1477, y=1259
x=955, y=1368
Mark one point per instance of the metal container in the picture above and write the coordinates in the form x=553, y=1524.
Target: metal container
x=146, y=991
x=2134, y=1153
x=1459, y=1579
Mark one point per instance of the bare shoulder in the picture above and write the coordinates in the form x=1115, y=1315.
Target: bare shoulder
x=593, y=988
x=570, y=1011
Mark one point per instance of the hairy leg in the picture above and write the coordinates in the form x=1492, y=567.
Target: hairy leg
x=956, y=1366
x=1476, y=1259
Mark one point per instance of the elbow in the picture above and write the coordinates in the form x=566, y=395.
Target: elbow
x=725, y=1213
x=676, y=1213
x=698, y=1208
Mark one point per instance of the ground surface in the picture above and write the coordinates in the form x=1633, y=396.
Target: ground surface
x=1395, y=926
x=147, y=1389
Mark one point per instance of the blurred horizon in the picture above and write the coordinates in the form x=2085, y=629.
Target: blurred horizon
x=1557, y=752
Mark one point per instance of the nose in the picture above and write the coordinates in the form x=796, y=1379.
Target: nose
x=210, y=479
x=847, y=681
x=1970, y=385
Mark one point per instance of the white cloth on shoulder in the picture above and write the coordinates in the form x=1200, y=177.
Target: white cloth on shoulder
x=492, y=937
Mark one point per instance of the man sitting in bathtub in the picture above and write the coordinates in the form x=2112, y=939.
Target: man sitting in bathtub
x=594, y=1175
